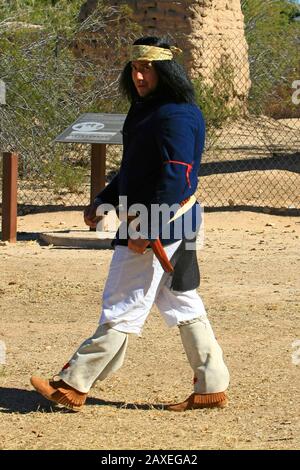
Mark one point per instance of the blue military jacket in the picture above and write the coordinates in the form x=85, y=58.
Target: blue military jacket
x=163, y=143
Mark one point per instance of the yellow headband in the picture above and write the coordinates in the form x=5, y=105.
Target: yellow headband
x=149, y=53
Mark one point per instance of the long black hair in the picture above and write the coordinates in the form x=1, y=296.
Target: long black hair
x=173, y=82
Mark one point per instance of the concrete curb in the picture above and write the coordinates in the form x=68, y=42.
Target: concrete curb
x=79, y=239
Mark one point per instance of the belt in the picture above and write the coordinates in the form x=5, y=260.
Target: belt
x=190, y=199
x=156, y=245
x=182, y=203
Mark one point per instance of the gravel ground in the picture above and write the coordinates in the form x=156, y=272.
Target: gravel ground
x=50, y=300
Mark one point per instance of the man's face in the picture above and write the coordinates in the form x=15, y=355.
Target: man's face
x=144, y=76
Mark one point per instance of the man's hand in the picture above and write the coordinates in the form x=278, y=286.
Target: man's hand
x=139, y=245
x=90, y=217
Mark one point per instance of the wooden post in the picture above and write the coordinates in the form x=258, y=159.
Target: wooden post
x=9, y=197
x=98, y=164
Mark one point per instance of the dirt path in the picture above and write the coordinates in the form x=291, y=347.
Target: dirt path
x=50, y=300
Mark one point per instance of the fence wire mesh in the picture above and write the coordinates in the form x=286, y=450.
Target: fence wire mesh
x=252, y=153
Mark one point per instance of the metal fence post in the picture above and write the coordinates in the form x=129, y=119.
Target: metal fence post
x=9, y=197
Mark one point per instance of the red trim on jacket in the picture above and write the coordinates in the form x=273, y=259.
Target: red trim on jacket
x=188, y=169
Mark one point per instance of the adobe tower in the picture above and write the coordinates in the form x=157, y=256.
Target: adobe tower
x=211, y=33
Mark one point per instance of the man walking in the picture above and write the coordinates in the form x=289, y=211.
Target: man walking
x=163, y=140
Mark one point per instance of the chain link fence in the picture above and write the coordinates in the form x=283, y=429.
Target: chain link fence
x=252, y=156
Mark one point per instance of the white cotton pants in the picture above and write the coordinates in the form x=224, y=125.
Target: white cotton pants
x=135, y=282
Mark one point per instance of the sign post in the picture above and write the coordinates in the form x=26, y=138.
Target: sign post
x=98, y=130
x=98, y=166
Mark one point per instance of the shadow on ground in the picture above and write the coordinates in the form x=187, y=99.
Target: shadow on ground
x=16, y=400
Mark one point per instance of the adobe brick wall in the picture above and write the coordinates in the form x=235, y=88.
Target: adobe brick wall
x=210, y=32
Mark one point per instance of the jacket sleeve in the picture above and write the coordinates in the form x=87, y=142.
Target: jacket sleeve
x=176, y=144
x=176, y=138
x=110, y=194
